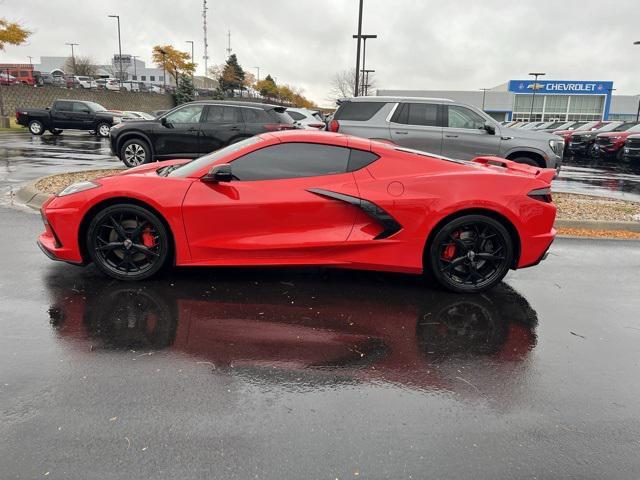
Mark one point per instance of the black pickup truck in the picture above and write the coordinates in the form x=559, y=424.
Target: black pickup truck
x=68, y=115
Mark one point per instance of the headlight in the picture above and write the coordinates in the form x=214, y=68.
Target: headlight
x=77, y=187
x=557, y=146
x=117, y=120
x=118, y=125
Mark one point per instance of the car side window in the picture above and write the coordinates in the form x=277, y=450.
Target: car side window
x=188, y=114
x=422, y=114
x=80, y=107
x=222, y=114
x=291, y=160
x=64, y=106
x=462, y=117
x=256, y=115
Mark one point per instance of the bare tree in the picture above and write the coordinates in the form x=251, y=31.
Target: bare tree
x=343, y=85
x=84, y=66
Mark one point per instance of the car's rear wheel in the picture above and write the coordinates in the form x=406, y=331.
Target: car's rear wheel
x=135, y=152
x=103, y=129
x=127, y=242
x=470, y=254
x=36, y=127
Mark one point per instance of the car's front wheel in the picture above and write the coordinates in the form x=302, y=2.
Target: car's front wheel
x=36, y=127
x=135, y=152
x=471, y=253
x=103, y=129
x=127, y=242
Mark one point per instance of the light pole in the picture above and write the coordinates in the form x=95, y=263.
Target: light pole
x=164, y=70
x=135, y=68
x=535, y=87
x=355, y=87
x=637, y=42
x=117, y=17
x=192, y=61
x=73, y=57
x=364, y=53
x=258, y=69
x=365, y=81
x=30, y=58
x=484, y=94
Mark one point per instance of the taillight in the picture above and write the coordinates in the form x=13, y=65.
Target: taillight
x=541, y=194
x=17, y=116
x=317, y=125
x=334, y=126
x=274, y=127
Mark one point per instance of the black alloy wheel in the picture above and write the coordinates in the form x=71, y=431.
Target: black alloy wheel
x=471, y=254
x=127, y=242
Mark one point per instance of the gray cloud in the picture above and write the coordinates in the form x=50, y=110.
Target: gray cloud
x=427, y=44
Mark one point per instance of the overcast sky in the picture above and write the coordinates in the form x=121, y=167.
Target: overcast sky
x=422, y=44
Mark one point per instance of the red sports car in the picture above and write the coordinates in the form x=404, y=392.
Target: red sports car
x=310, y=198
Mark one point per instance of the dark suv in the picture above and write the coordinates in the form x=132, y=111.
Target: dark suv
x=194, y=129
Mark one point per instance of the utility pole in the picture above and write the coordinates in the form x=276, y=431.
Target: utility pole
x=484, y=94
x=535, y=87
x=164, y=70
x=117, y=17
x=30, y=58
x=258, y=68
x=355, y=89
x=229, y=43
x=73, y=57
x=192, y=61
x=205, y=57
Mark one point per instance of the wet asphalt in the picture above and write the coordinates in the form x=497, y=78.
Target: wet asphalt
x=318, y=373
x=24, y=158
x=311, y=373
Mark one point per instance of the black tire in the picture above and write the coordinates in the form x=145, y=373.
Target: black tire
x=102, y=129
x=127, y=242
x=470, y=254
x=591, y=151
x=526, y=161
x=135, y=152
x=56, y=131
x=36, y=127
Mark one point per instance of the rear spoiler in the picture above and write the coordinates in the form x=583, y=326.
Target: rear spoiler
x=544, y=174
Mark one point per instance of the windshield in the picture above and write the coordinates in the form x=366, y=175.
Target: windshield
x=199, y=163
x=95, y=107
x=621, y=128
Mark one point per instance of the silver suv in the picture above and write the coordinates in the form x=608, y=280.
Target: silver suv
x=444, y=127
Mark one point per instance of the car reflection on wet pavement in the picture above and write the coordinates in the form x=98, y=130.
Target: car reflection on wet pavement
x=599, y=177
x=401, y=334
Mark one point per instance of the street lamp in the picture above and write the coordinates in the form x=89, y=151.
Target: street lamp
x=365, y=81
x=637, y=42
x=192, y=61
x=535, y=87
x=117, y=17
x=258, y=68
x=73, y=57
x=364, y=52
x=484, y=94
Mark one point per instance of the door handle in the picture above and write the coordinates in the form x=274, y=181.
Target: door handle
x=192, y=129
x=451, y=136
x=401, y=132
x=235, y=129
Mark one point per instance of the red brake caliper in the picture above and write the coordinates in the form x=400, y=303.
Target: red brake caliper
x=147, y=238
x=450, y=250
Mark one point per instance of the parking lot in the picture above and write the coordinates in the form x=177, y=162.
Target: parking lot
x=314, y=373
x=25, y=158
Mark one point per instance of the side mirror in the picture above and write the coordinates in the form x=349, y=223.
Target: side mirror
x=219, y=173
x=163, y=121
x=491, y=130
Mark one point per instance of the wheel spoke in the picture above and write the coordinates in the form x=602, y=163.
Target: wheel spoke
x=118, y=227
x=459, y=243
x=110, y=246
x=144, y=250
x=454, y=263
x=489, y=256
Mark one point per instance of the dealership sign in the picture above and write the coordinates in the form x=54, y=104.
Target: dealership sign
x=564, y=87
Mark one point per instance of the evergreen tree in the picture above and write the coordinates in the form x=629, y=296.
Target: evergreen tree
x=232, y=76
x=185, y=91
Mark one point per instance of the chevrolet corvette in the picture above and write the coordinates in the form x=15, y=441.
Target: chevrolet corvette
x=310, y=198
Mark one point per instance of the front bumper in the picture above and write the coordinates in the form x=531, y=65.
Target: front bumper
x=631, y=153
x=578, y=148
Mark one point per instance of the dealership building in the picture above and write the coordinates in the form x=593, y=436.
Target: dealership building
x=547, y=99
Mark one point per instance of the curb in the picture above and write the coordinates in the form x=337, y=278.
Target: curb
x=30, y=196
